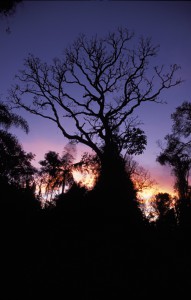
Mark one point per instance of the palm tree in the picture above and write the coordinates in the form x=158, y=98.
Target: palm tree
x=15, y=163
x=8, y=119
x=56, y=170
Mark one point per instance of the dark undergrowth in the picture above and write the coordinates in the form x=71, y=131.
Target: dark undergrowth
x=81, y=249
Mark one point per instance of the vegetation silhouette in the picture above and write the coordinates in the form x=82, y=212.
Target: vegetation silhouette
x=96, y=87
x=56, y=171
x=92, y=244
x=8, y=7
x=176, y=154
x=15, y=165
x=80, y=246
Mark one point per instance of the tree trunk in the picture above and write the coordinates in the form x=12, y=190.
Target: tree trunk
x=116, y=192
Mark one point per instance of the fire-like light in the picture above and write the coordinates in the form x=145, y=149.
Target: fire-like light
x=145, y=199
x=147, y=202
x=85, y=180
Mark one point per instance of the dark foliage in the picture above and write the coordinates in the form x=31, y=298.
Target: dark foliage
x=177, y=150
x=73, y=250
x=8, y=7
x=95, y=244
x=15, y=164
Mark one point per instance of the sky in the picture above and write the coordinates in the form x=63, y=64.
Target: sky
x=46, y=28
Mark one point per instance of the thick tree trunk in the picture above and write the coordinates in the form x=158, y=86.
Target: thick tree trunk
x=115, y=190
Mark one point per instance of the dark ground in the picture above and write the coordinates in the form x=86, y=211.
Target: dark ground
x=72, y=255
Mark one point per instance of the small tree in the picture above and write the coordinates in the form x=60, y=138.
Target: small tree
x=56, y=170
x=163, y=202
x=165, y=207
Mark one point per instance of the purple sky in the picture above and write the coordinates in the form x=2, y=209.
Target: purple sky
x=45, y=28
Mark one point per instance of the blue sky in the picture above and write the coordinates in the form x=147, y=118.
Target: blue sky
x=45, y=28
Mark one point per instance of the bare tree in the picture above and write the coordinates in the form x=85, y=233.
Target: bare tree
x=93, y=91
x=139, y=175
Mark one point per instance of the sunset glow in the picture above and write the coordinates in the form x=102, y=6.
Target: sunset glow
x=85, y=179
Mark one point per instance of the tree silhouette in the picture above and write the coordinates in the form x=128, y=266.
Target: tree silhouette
x=95, y=90
x=89, y=169
x=182, y=120
x=8, y=7
x=176, y=154
x=15, y=164
x=8, y=118
x=163, y=202
x=140, y=176
x=49, y=172
x=56, y=170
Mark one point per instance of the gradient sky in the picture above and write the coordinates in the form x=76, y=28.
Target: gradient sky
x=45, y=28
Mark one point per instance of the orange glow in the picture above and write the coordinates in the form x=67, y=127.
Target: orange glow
x=147, y=202
x=146, y=194
x=85, y=179
x=145, y=199
x=149, y=193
